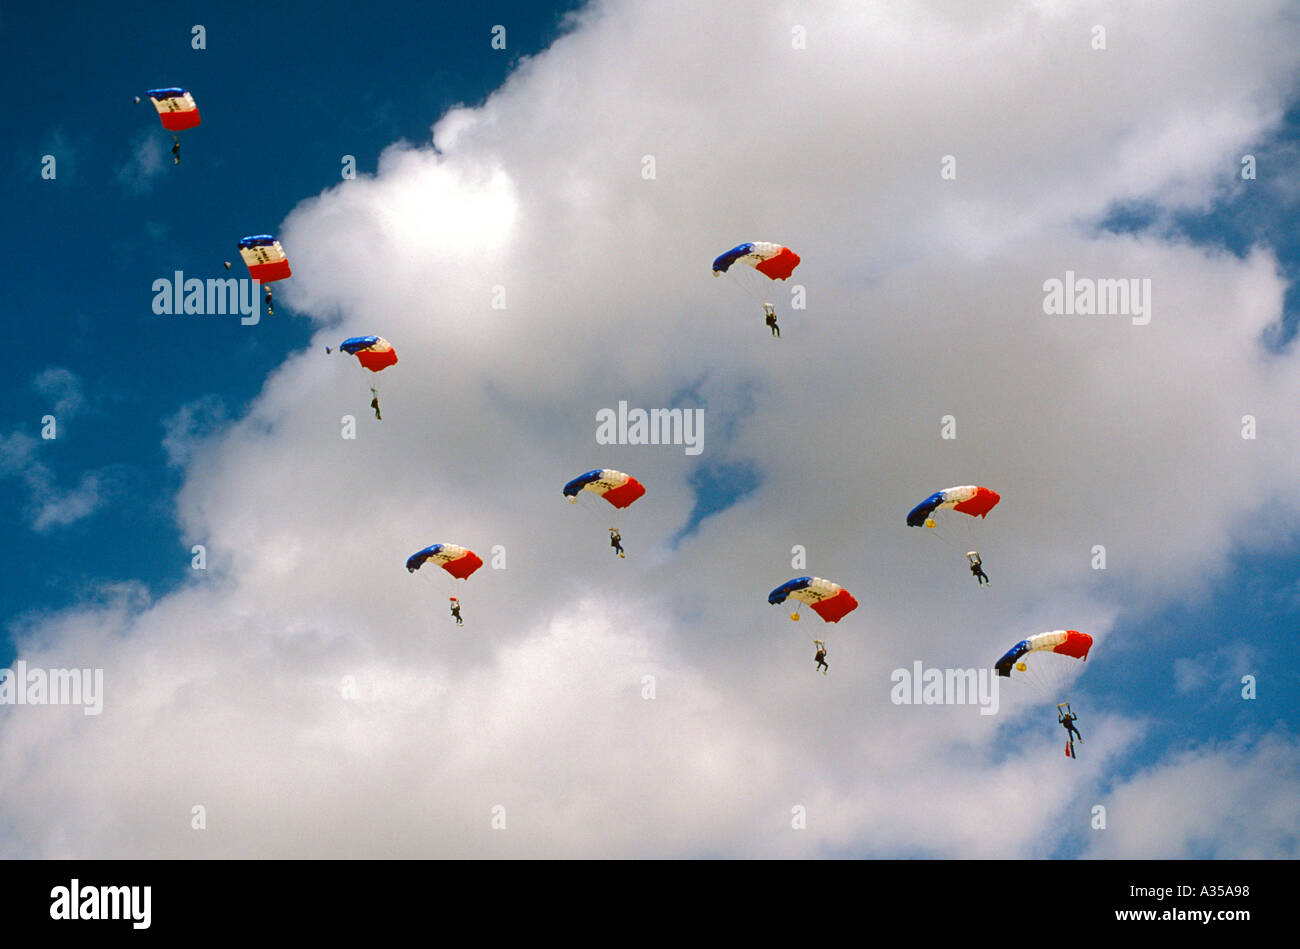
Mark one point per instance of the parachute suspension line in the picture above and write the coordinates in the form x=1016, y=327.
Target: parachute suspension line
x=1047, y=674
x=744, y=287
x=1042, y=676
x=587, y=501
x=945, y=533
x=960, y=535
x=444, y=583
x=372, y=378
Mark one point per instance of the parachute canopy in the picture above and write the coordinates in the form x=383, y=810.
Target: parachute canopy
x=771, y=260
x=830, y=600
x=265, y=258
x=1064, y=642
x=967, y=498
x=458, y=561
x=373, y=352
x=176, y=108
x=617, y=488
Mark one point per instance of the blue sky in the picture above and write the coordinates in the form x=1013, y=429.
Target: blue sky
x=181, y=430
x=269, y=117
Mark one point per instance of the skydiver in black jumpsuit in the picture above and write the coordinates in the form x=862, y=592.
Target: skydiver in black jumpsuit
x=1067, y=719
x=770, y=315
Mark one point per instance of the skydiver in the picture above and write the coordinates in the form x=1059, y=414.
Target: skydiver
x=822, y=664
x=977, y=568
x=1067, y=719
x=374, y=403
x=616, y=541
x=176, y=150
x=455, y=611
x=770, y=314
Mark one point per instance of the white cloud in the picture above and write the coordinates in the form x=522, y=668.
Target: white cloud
x=63, y=388
x=190, y=425
x=148, y=158
x=1220, y=669
x=1233, y=801
x=48, y=504
x=925, y=299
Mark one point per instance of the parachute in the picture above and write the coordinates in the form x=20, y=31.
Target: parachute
x=373, y=352
x=266, y=262
x=265, y=258
x=1062, y=642
x=771, y=260
x=1046, y=665
x=617, y=488
x=458, y=561
x=829, y=600
x=966, y=499
x=177, y=109
x=958, y=532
